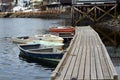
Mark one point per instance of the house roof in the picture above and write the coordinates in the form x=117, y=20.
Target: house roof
x=93, y=1
x=6, y=1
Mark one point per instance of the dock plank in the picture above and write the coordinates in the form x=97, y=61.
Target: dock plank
x=92, y=61
x=77, y=63
x=66, y=67
x=58, y=71
x=104, y=66
x=71, y=66
x=86, y=59
x=87, y=66
x=97, y=62
x=112, y=70
x=83, y=58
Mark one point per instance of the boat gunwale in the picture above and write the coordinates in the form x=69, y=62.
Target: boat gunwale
x=33, y=52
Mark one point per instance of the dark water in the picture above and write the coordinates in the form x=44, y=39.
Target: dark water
x=115, y=56
x=13, y=67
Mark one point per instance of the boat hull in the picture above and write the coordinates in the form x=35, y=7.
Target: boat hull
x=34, y=51
x=65, y=29
x=39, y=55
x=42, y=61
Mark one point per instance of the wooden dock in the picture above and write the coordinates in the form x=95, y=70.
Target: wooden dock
x=86, y=59
x=93, y=10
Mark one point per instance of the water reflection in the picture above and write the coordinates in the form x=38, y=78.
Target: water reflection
x=43, y=63
x=114, y=52
x=13, y=67
x=115, y=56
x=25, y=26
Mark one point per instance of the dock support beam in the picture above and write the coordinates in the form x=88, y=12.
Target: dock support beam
x=94, y=12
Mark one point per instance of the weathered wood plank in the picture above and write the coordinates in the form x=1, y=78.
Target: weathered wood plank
x=109, y=62
x=87, y=64
x=93, y=67
x=56, y=71
x=77, y=63
x=72, y=63
x=97, y=63
x=64, y=71
x=82, y=64
x=87, y=59
x=104, y=66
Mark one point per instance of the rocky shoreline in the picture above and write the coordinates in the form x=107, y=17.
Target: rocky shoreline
x=112, y=24
x=110, y=30
x=40, y=14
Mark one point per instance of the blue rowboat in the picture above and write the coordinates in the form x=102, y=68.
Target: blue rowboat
x=37, y=51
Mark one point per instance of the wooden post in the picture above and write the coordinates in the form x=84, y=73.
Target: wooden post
x=115, y=11
x=72, y=14
x=95, y=17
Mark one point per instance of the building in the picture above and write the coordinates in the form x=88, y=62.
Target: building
x=26, y=3
x=36, y=3
x=23, y=3
x=66, y=2
x=6, y=5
